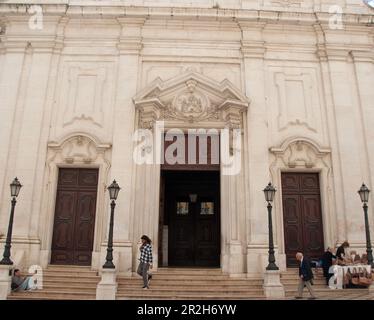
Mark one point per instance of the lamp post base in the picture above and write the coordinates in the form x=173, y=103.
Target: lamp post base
x=6, y=262
x=107, y=287
x=273, y=288
x=5, y=281
x=109, y=265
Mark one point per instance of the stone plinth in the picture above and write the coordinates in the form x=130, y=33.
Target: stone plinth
x=107, y=287
x=5, y=281
x=273, y=288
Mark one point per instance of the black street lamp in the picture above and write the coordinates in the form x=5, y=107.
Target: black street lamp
x=364, y=195
x=269, y=192
x=113, y=194
x=15, y=187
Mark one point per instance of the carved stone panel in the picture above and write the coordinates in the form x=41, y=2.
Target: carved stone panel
x=191, y=99
x=84, y=98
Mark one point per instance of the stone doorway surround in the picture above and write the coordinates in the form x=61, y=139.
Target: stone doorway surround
x=298, y=154
x=78, y=150
x=221, y=106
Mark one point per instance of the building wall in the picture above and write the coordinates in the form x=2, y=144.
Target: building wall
x=67, y=101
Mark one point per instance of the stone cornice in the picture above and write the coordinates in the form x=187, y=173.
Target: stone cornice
x=363, y=54
x=117, y=10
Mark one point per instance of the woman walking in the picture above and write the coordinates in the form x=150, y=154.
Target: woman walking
x=145, y=261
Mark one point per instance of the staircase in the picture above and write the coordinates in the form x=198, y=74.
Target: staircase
x=79, y=283
x=290, y=280
x=190, y=284
x=63, y=283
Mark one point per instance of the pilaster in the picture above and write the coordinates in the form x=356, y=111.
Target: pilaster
x=129, y=47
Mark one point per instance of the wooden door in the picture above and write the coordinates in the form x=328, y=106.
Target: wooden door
x=302, y=216
x=194, y=237
x=74, y=222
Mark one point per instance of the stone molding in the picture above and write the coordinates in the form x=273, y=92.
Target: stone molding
x=76, y=150
x=291, y=15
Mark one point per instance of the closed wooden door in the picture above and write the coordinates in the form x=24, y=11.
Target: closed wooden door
x=194, y=237
x=74, y=223
x=302, y=216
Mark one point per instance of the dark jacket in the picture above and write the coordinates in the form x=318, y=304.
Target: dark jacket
x=327, y=262
x=340, y=252
x=305, y=270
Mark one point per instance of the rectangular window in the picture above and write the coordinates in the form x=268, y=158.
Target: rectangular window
x=182, y=208
x=207, y=208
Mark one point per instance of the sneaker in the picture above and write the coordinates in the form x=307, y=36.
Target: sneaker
x=297, y=297
x=145, y=288
x=312, y=298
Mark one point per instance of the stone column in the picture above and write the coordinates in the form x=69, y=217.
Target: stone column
x=257, y=169
x=122, y=161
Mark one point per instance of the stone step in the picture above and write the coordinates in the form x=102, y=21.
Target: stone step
x=187, y=298
x=295, y=281
x=70, y=273
x=296, y=276
x=192, y=290
x=62, y=280
x=63, y=283
x=41, y=296
x=191, y=271
x=181, y=282
x=70, y=276
x=68, y=266
x=194, y=277
x=123, y=286
x=149, y=294
x=328, y=293
x=69, y=286
x=54, y=292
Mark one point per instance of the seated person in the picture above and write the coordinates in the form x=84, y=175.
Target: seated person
x=364, y=259
x=20, y=283
x=356, y=259
x=326, y=262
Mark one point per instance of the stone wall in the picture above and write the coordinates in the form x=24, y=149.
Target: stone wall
x=67, y=94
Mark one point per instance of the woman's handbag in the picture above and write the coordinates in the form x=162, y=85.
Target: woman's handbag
x=364, y=279
x=355, y=277
x=347, y=277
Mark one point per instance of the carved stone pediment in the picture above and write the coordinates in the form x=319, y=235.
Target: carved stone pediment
x=191, y=99
x=300, y=153
x=78, y=149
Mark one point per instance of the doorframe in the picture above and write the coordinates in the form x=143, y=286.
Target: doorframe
x=59, y=167
x=323, y=216
x=56, y=160
x=232, y=236
x=161, y=239
x=315, y=160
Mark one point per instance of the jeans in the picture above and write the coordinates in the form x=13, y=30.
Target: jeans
x=143, y=272
x=24, y=285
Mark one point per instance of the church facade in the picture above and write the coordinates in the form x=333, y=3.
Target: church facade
x=90, y=91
